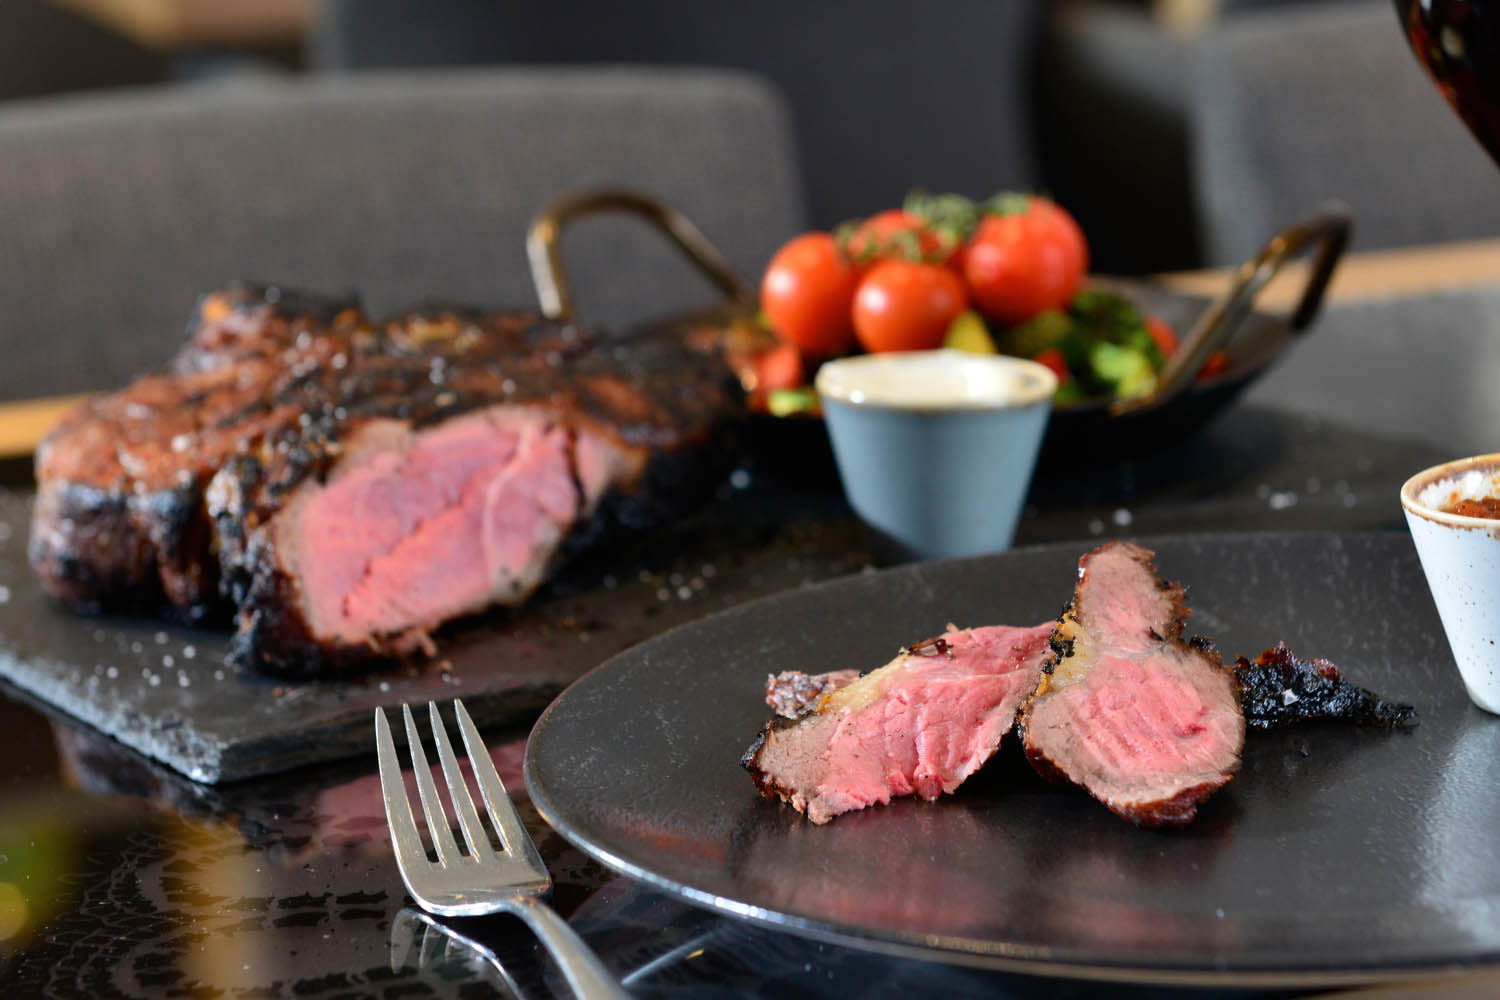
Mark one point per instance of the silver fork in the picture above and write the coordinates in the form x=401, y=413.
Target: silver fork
x=512, y=880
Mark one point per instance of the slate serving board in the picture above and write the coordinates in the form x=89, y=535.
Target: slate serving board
x=166, y=691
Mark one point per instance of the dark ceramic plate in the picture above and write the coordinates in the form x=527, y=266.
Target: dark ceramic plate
x=1337, y=855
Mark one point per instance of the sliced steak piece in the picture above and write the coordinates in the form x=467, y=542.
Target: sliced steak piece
x=412, y=527
x=920, y=725
x=1279, y=689
x=346, y=486
x=462, y=487
x=1148, y=724
x=792, y=693
x=119, y=520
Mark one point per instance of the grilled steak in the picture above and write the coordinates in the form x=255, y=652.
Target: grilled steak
x=1279, y=689
x=921, y=724
x=119, y=520
x=344, y=486
x=1147, y=723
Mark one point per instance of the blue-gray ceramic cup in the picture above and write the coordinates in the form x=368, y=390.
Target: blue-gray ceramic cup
x=936, y=448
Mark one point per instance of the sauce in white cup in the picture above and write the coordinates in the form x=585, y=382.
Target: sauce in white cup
x=1461, y=558
x=936, y=380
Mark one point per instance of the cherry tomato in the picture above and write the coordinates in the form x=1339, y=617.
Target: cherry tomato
x=776, y=369
x=900, y=234
x=807, y=292
x=1163, y=335
x=1021, y=263
x=1053, y=358
x=1217, y=364
x=902, y=306
x=779, y=368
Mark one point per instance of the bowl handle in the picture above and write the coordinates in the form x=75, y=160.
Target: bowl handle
x=1327, y=230
x=544, y=245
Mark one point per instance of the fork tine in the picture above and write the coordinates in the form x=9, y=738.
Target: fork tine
x=458, y=790
x=397, y=809
x=501, y=810
x=432, y=806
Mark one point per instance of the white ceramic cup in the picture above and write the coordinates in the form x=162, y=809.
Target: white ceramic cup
x=936, y=448
x=1461, y=558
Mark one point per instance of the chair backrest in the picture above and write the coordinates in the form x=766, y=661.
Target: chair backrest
x=886, y=95
x=1298, y=105
x=118, y=211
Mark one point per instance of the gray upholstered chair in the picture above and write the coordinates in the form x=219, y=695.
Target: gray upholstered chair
x=118, y=211
x=1113, y=134
x=47, y=48
x=885, y=94
x=1296, y=105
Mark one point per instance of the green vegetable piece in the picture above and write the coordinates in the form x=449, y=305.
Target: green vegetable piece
x=1046, y=329
x=1070, y=393
x=785, y=402
x=1075, y=344
x=1102, y=307
x=1128, y=371
x=1106, y=316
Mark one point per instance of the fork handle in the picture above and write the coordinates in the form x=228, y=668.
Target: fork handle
x=580, y=966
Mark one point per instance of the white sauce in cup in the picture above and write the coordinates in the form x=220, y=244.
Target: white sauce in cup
x=936, y=380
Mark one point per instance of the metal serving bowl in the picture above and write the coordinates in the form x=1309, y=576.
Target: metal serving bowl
x=1181, y=404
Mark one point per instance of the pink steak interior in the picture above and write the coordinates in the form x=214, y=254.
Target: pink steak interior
x=431, y=524
x=942, y=718
x=919, y=725
x=1144, y=721
x=1124, y=603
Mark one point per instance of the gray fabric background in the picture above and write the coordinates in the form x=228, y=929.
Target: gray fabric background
x=886, y=95
x=118, y=211
x=1296, y=106
x=1112, y=121
x=1416, y=369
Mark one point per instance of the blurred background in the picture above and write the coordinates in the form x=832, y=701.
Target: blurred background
x=152, y=149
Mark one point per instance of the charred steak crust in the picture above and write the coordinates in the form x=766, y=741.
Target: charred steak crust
x=766, y=783
x=119, y=522
x=1278, y=688
x=1121, y=684
x=164, y=494
x=1178, y=810
x=88, y=551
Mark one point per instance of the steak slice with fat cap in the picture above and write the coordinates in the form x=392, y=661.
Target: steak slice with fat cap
x=1148, y=724
x=920, y=725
